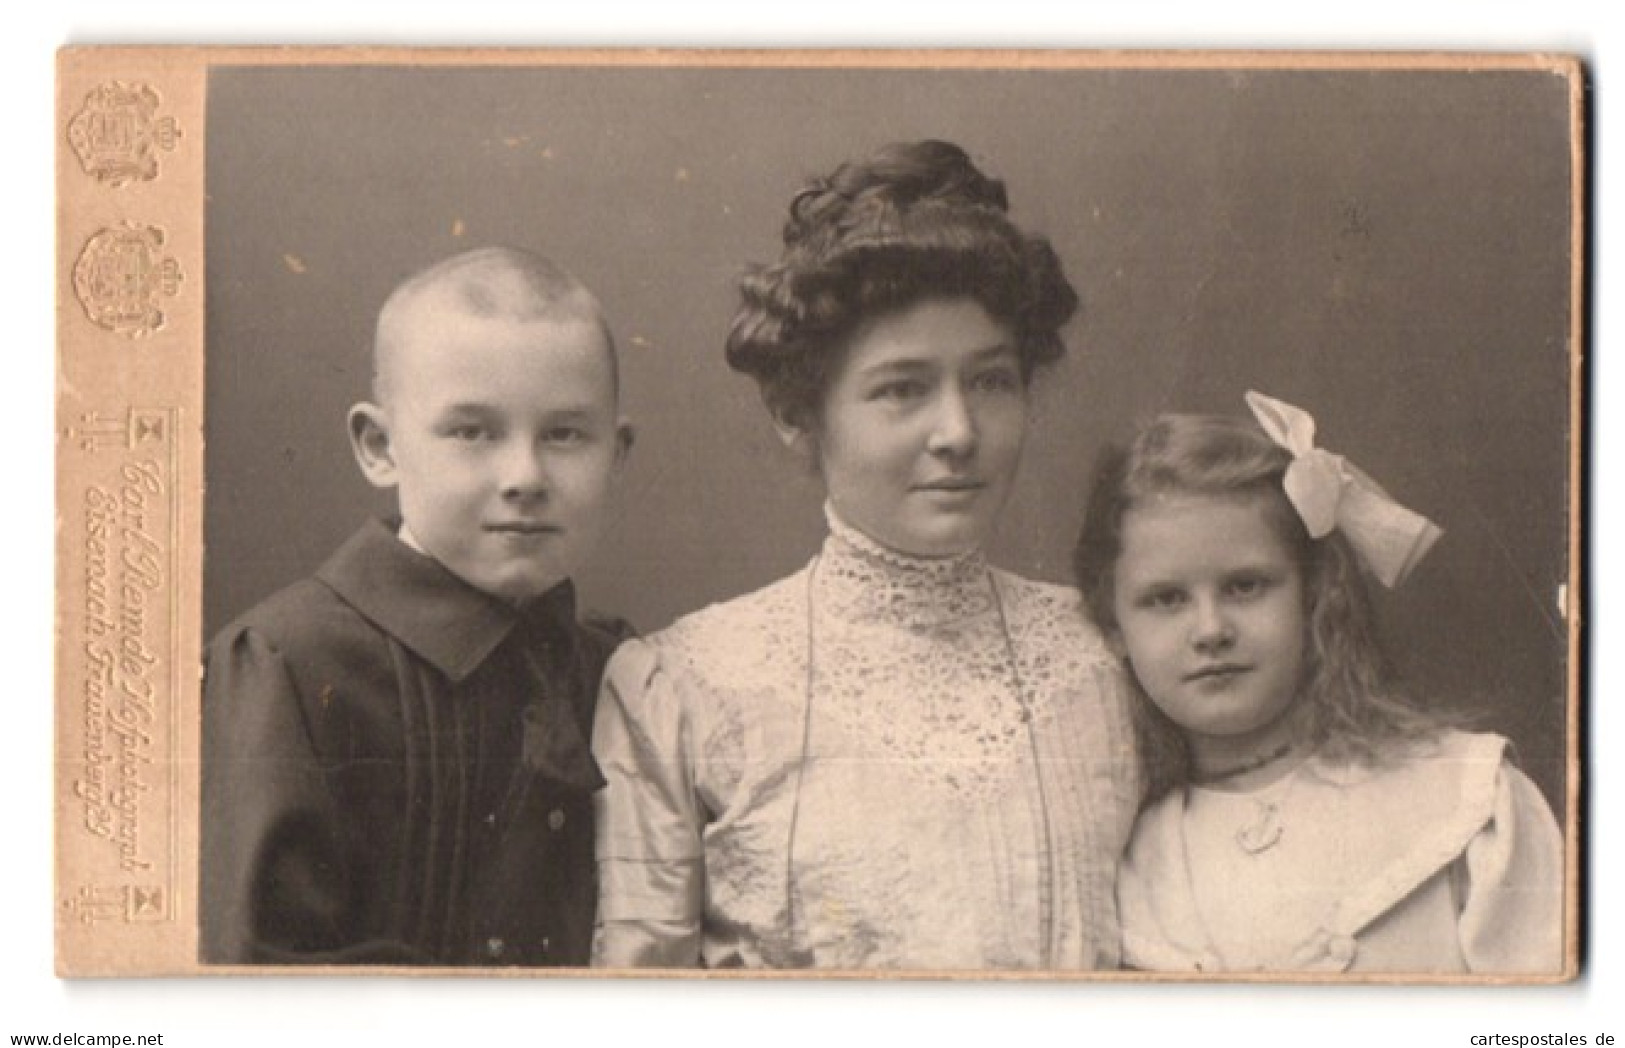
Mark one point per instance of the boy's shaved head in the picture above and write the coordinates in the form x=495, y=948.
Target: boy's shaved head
x=490, y=282
x=494, y=418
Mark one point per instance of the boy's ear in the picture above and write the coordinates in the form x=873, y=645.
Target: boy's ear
x=369, y=439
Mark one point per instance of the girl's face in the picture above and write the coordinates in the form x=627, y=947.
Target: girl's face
x=922, y=426
x=1211, y=614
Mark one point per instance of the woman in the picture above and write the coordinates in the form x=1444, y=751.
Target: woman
x=898, y=757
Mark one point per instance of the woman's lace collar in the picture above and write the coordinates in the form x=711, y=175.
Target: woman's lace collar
x=861, y=580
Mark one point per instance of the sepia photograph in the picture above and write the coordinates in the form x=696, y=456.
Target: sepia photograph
x=912, y=514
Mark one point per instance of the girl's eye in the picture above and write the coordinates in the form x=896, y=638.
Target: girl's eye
x=1164, y=600
x=1248, y=587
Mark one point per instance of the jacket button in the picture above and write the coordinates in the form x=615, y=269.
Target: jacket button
x=555, y=819
x=495, y=947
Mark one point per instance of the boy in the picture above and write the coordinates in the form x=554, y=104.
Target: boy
x=395, y=759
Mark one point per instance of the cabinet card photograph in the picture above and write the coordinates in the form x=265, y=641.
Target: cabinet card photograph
x=1063, y=515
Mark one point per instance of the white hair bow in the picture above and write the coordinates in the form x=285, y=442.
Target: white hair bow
x=1329, y=492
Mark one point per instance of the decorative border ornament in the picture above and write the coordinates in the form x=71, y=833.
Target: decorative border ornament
x=129, y=903
x=120, y=276
x=117, y=133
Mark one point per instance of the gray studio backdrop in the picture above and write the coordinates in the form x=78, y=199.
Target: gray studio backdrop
x=1390, y=250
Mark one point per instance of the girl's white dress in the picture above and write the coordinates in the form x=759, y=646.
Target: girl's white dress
x=878, y=762
x=1445, y=861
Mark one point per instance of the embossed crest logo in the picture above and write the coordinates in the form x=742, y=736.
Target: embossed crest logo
x=117, y=133
x=121, y=276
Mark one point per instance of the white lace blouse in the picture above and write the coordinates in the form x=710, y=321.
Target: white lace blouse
x=878, y=762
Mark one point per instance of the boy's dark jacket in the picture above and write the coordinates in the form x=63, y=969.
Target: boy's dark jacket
x=396, y=771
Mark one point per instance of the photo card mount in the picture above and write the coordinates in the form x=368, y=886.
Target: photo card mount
x=1396, y=241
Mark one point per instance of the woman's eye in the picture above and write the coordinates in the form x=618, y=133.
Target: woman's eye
x=998, y=380
x=901, y=389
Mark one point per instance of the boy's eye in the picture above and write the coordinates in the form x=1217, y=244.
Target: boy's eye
x=466, y=431
x=566, y=436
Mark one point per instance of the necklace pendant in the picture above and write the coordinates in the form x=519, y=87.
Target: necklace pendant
x=1264, y=832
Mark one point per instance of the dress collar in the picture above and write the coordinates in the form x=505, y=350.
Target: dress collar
x=862, y=580
x=414, y=598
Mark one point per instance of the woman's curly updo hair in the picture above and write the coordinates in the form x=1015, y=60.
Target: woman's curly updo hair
x=914, y=221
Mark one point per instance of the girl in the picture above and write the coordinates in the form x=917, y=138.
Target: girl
x=1303, y=813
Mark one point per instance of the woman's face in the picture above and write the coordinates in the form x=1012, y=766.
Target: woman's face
x=922, y=426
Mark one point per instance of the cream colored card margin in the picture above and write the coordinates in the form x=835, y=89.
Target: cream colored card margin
x=130, y=478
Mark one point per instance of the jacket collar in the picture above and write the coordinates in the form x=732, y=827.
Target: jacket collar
x=415, y=599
